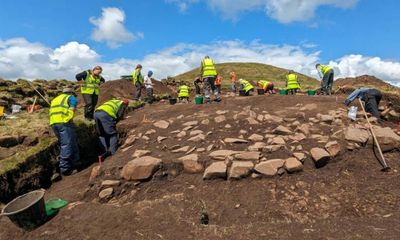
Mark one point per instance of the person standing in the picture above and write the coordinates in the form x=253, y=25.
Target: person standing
x=370, y=96
x=107, y=116
x=90, y=89
x=327, y=74
x=209, y=74
x=62, y=110
x=218, y=83
x=292, y=82
x=137, y=79
x=149, y=86
x=233, y=77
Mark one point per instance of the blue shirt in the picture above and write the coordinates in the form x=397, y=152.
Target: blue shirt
x=358, y=93
x=72, y=101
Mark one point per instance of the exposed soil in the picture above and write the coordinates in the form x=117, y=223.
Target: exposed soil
x=350, y=198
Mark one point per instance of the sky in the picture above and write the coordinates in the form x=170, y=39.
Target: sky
x=49, y=39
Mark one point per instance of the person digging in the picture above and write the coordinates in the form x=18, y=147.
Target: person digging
x=371, y=97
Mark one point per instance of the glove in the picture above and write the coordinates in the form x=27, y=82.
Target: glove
x=347, y=102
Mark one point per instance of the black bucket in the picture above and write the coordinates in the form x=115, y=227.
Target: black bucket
x=172, y=101
x=260, y=91
x=27, y=211
x=242, y=93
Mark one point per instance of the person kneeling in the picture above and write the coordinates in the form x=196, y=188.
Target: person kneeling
x=246, y=87
x=183, y=93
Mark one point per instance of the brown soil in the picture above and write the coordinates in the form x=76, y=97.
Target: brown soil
x=363, y=81
x=350, y=198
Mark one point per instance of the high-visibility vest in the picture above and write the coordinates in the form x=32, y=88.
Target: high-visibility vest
x=208, y=68
x=60, y=111
x=263, y=84
x=218, y=80
x=292, y=82
x=136, y=73
x=246, y=85
x=325, y=69
x=91, y=84
x=111, y=107
x=183, y=91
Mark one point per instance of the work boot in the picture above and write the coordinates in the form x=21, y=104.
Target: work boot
x=69, y=172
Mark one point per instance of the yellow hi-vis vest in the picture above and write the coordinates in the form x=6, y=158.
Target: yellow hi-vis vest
x=91, y=84
x=60, y=111
x=183, y=91
x=292, y=82
x=263, y=83
x=135, y=75
x=208, y=68
x=111, y=107
x=246, y=85
x=325, y=69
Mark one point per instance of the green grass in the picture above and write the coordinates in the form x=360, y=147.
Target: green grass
x=252, y=72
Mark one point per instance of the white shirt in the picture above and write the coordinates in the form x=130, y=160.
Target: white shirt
x=147, y=82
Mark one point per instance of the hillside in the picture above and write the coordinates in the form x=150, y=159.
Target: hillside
x=366, y=81
x=252, y=72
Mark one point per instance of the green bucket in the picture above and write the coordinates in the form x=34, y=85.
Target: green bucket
x=311, y=92
x=198, y=100
x=283, y=91
x=53, y=205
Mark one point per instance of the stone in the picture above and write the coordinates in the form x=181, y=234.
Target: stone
x=281, y=130
x=191, y=150
x=198, y=138
x=188, y=128
x=333, y=148
x=180, y=116
x=293, y=165
x=215, y=170
x=252, y=121
x=272, y=118
x=146, y=138
x=356, y=135
x=181, y=134
x=260, y=117
x=110, y=183
x=201, y=150
x=141, y=168
x=220, y=119
x=195, y=132
x=140, y=153
x=301, y=115
x=387, y=138
x=182, y=149
x=258, y=146
x=221, y=112
x=191, y=163
x=240, y=169
x=205, y=122
x=299, y=156
x=320, y=157
x=256, y=138
x=272, y=148
x=129, y=141
x=106, y=193
x=210, y=147
x=278, y=141
x=250, y=156
x=94, y=173
x=242, y=132
x=160, y=139
x=161, y=124
x=326, y=118
x=304, y=128
x=298, y=137
x=151, y=131
x=228, y=126
x=222, y=154
x=191, y=123
x=394, y=114
x=269, y=167
x=309, y=107
x=235, y=140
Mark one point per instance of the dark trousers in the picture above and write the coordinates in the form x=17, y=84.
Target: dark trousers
x=293, y=91
x=197, y=87
x=90, y=104
x=106, y=128
x=372, y=100
x=327, y=82
x=149, y=95
x=69, y=150
x=138, y=90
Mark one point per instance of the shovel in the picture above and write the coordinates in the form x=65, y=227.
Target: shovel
x=385, y=168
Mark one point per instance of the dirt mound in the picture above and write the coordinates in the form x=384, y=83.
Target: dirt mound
x=365, y=81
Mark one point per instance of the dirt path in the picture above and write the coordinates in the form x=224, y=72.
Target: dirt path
x=347, y=199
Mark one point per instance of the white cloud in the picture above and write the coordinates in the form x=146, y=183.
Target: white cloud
x=183, y=5
x=110, y=28
x=285, y=11
x=20, y=58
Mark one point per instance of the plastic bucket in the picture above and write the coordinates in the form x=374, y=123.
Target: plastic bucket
x=283, y=91
x=260, y=91
x=172, y=101
x=27, y=211
x=242, y=93
x=311, y=92
x=198, y=100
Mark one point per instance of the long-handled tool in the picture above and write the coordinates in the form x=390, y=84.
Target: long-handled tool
x=33, y=106
x=39, y=93
x=383, y=161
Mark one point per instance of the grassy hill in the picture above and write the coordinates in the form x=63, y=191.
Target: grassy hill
x=252, y=72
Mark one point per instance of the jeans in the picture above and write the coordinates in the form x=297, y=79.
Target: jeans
x=90, y=103
x=106, y=128
x=210, y=87
x=69, y=150
x=138, y=90
x=327, y=82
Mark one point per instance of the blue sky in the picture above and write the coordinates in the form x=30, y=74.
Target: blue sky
x=170, y=36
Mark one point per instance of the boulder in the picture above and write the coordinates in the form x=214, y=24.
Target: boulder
x=140, y=168
x=282, y=130
x=215, y=170
x=235, y=140
x=272, y=118
x=326, y=118
x=140, y=153
x=220, y=119
x=256, y=138
x=299, y=156
x=304, y=128
x=222, y=154
x=161, y=124
x=258, y=146
x=320, y=157
x=293, y=165
x=272, y=148
x=198, y=138
x=387, y=138
x=191, y=163
x=106, y=193
x=298, y=137
x=333, y=148
x=278, y=141
x=356, y=135
x=240, y=169
x=249, y=156
x=269, y=167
